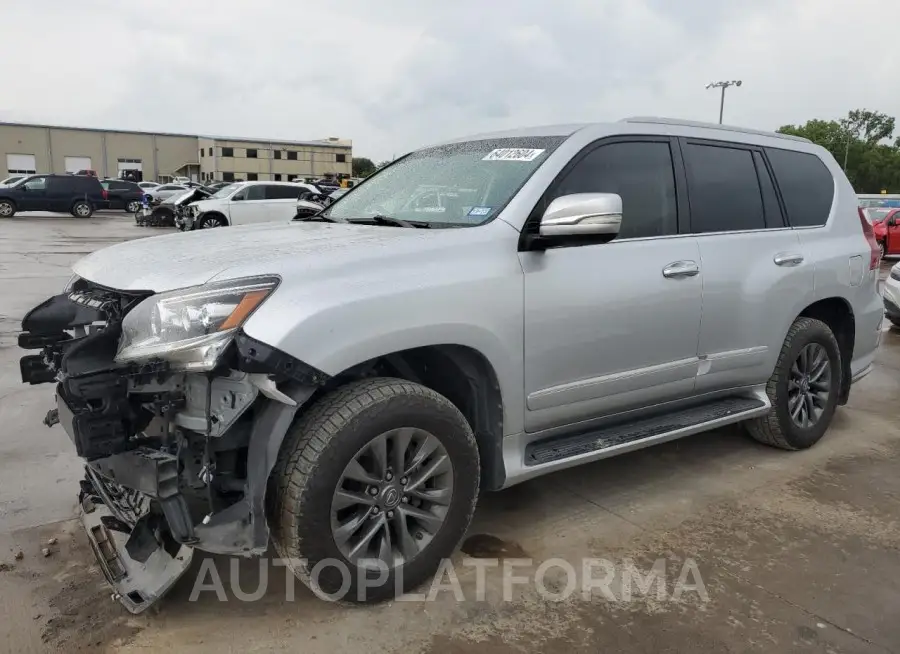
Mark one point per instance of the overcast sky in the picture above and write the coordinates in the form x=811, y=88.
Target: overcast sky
x=397, y=74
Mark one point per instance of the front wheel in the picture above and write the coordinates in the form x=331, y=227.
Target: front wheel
x=883, y=248
x=375, y=485
x=82, y=209
x=210, y=222
x=803, y=389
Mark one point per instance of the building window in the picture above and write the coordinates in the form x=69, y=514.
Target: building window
x=252, y=177
x=227, y=152
x=251, y=154
x=292, y=155
x=277, y=154
x=227, y=177
x=277, y=177
x=341, y=158
x=210, y=152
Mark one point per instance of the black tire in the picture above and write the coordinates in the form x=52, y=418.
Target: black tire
x=213, y=220
x=894, y=321
x=314, y=456
x=82, y=209
x=778, y=429
x=133, y=206
x=883, y=248
x=7, y=208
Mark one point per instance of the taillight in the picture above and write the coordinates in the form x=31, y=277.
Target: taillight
x=875, y=256
x=105, y=194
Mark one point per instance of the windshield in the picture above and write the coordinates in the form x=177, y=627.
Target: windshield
x=11, y=180
x=226, y=191
x=456, y=185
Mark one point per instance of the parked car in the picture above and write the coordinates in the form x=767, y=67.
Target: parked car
x=64, y=193
x=87, y=173
x=347, y=385
x=164, y=191
x=886, y=225
x=891, y=295
x=122, y=195
x=245, y=203
x=170, y=212
x=146, y=186
x=184, y=181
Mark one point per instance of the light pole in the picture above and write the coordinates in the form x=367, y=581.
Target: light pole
x=723, y=85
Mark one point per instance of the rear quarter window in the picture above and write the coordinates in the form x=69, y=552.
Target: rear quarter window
x=806, y=186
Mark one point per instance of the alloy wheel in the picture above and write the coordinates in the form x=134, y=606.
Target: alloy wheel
x=6, y=209
x=392, y=498
x=809, y=385
x=82, y=210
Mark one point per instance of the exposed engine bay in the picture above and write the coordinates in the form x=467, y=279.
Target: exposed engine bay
x=177, y=456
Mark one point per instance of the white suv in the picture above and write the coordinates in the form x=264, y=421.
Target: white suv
x=245, y=203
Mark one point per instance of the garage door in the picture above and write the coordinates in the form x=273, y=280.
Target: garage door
x=74, y=164
x=22, y=164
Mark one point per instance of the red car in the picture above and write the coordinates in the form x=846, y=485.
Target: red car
x=886, y=224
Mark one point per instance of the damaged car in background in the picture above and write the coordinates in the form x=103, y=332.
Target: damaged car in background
x=469, y=318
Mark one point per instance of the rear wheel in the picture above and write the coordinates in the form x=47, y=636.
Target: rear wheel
x=82, y=209
x=803, y=389
x=883, y=248
x=375, y=485
x=7, y=209
x=133, y=206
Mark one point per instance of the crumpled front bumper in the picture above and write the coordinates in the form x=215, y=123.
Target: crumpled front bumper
x=136, y=584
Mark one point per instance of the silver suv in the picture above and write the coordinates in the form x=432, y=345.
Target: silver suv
x=475, y=314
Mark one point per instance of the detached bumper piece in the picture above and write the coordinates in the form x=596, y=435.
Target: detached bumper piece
x=138, y=584
x=140, y=533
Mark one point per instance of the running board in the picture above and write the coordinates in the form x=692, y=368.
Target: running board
x=643, y=432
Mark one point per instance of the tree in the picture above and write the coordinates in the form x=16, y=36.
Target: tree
x=857, y=143
x=362, y=167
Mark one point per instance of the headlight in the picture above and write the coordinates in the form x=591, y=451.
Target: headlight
x=191, y=328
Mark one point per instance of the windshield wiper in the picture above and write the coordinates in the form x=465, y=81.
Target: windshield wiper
x=379, y=219
x=318, y=218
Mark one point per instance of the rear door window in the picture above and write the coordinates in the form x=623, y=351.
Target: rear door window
x=723, y=189
x=282, y=192
x=806, y=186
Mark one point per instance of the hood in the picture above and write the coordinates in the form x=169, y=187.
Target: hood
x=173, y=261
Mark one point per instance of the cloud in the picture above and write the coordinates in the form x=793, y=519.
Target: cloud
x=399, y=74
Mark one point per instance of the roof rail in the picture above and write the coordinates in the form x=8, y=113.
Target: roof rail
x=725, y=128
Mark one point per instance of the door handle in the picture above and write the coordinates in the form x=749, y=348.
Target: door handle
x=678, y=269
x=788, y=259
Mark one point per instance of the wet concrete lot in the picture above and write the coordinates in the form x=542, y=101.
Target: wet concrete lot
x=763, y=550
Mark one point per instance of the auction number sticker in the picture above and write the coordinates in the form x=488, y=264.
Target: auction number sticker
x=513, y=154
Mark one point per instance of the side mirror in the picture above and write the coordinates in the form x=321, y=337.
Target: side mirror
x=583, y=214
x=892, y=222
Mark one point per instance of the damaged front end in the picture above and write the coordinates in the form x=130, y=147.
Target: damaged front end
x=178, y=414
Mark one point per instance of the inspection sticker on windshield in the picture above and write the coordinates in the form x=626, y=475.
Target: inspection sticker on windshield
x=513, y=154
x=479, y=211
